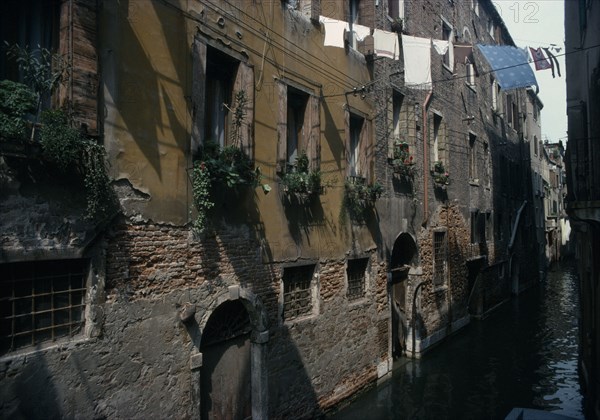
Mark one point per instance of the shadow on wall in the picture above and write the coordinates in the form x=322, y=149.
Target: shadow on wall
x=291, y=392
x=137, y=80
x=32, y=394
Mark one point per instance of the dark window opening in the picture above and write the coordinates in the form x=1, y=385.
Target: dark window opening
x=356, y=273
x=41, y=301
x=440, y=256
x=296, y=109
x=297, y=294
x=356, y=127
x=220, y=73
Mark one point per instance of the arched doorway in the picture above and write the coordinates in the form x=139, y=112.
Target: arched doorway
x=404, y=255
x=226, y=366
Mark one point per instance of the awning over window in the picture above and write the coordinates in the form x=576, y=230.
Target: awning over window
x=510, y=66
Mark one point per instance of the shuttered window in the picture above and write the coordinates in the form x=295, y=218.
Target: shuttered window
x=298, y=126
x=359, y=150
x=217, y=77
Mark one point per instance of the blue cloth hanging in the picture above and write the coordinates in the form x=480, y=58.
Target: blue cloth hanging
x=510, y=66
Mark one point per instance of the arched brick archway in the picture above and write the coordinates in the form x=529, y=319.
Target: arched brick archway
x=404, y=255
x=238, y=303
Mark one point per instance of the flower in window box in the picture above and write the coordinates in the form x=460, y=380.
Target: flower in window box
x=300, y=180
x=440, y=175
x=403, y=161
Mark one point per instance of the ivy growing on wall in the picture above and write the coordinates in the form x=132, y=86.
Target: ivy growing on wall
x=62, y=146
x=228, y=167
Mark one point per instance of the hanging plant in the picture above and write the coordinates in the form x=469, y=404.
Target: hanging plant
x=299, y=180
x=69, y=150
x=440, y=176
x=228, y=167
x=403, y=161
x=16, y=100
x=359, y=196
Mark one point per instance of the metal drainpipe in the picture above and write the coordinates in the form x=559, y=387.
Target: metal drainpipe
x=426, y=159
x=414, y=322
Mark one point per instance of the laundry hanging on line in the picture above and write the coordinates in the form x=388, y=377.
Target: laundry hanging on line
x=334, y=31
x=510, y=66
x=386, y=44
x=440, y=46
x=540, y=61
x=360, y=31
x=417, y=62
x=553, y=62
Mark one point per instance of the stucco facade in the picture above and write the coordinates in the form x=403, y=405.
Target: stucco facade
x=296, y=300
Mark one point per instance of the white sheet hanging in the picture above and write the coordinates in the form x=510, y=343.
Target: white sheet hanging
x=417, y=62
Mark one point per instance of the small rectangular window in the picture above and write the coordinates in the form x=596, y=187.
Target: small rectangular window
x=356, y=274
x=440, y=258
x=296, y=107
x=396, y=9
x=298, y=126
x=41, y=301
x=447, y=35
x=297, y=293
x=356, y=126
x=472, y=157
x=470, y=74
x=437, y=137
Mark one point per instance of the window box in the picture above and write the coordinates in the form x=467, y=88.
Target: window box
x=360, y=196
x=403, y=162
x=440, y=176
x=300, y=181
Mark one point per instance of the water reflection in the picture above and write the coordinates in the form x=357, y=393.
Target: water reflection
x=523, y=355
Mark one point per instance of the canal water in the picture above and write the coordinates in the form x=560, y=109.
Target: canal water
x=523, y=355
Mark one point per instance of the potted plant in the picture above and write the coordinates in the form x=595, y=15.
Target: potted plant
x=440, y=175
x=358, y=195
x=223, y=168
x=300, y=181
x=403, y=161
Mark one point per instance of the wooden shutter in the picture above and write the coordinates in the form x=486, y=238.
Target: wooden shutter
x=198, y=94
x=245, y=81
x=391, y=134
x=365, y=151
x=314, y=131
x=281, y=91
x=348, y=139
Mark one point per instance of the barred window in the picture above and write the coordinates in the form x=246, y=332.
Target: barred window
x=356, y=272
x=440, y=256
x=297, y=294
x=41, y=301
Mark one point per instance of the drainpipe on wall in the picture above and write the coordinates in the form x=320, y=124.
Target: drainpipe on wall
x=426, y=160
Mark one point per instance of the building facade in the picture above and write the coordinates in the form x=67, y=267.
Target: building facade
x=290, y=216
x=583, y=183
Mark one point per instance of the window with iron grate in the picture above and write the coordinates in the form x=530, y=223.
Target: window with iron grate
x=297, y=293
x=440, y=257
x=356, y=274
x=41, y=301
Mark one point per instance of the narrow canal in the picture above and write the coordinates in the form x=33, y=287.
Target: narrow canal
x=523, y=355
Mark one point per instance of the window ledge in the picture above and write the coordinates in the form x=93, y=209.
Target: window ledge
x=474, y=182
x=300, y=319
x=362, y=301
x=65, y=344
x=440, y=289
x=448, y=69
x=472, y=87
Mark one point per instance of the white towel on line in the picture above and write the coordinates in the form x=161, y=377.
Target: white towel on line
x=417, y=62
x=334, y=31
x=441, y=47
x=386, y=44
